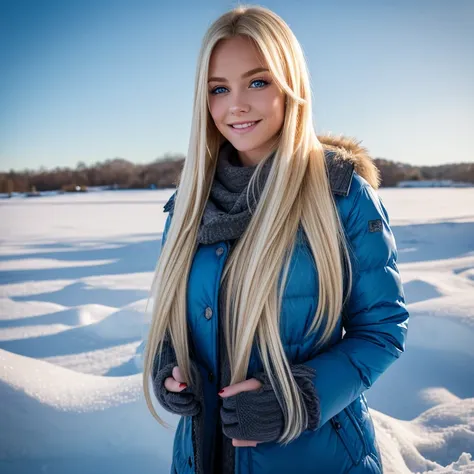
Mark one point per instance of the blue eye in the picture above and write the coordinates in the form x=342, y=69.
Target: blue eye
x=260, y=80
x=213, y=91
x=263, y=82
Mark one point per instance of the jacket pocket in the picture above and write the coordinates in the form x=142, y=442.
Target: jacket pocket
x=367, y=429
x=350, y=434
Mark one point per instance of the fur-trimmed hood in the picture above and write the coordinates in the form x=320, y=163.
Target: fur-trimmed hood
x=344, y=153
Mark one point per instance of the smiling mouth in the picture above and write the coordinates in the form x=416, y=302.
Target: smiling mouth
x=244, y=126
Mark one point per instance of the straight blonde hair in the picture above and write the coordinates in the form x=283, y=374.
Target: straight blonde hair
x=297, y=191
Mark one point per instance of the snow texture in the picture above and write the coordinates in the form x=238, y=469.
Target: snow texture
x=75, y=274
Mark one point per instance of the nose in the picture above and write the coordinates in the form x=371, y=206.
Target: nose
x=239, y=109
x=239, y=106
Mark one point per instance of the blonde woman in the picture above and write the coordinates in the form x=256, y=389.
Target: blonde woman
x=276, y=298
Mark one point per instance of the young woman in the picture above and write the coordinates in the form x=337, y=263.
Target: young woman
x=277, y=298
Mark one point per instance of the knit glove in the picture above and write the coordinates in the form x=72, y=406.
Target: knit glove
x=189, y=401
x=256, y=415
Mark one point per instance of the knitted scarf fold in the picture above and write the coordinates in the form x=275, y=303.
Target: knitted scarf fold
x=227, y=213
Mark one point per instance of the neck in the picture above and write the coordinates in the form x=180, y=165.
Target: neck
x=247, y=161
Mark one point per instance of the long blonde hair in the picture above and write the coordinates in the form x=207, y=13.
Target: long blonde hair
x=296, y=191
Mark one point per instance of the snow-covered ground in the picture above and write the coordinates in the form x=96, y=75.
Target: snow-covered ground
x=75, y=271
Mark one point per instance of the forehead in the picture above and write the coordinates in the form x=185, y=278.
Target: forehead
x=238, y=54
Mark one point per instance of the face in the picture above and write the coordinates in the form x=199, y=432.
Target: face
x=241, y=91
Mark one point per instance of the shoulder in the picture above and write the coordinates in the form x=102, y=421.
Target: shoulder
x=169, y=205
x=361, y=204
x=349, y=165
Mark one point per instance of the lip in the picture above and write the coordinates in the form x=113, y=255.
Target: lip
x=241, y=131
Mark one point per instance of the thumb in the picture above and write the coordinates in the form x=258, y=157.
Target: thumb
x=177, y=375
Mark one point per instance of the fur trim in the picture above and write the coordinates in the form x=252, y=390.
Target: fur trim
x=349, y=149
x=344, y=149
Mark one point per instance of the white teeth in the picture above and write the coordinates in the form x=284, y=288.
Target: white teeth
x=243, y=125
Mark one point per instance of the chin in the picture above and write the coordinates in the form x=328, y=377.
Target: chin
x=244, y=145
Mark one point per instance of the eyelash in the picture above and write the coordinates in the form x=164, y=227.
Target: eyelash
x=266, y=83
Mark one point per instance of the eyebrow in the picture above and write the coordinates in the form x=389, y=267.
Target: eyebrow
x=244, y=75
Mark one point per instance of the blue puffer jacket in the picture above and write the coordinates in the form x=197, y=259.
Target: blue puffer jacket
x=375, y=324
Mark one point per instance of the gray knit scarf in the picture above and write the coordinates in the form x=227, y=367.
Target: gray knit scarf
x=227, y=214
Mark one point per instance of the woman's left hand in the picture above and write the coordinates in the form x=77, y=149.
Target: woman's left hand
x=231, y=390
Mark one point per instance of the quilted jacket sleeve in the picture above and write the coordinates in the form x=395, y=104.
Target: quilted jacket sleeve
x=375, y=316
x=168, y=356
x=147, y=316
x=188, y=402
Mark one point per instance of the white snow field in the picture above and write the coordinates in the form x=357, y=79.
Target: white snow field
x=75, y=271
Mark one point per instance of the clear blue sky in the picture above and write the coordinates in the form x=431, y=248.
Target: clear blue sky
x=88, y=80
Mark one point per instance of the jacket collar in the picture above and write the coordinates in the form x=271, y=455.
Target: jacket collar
x=344, y=155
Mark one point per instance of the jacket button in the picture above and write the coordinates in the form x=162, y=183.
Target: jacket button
x=337, y=425
x=208, y=313
x=219, y=251
x=210, y=377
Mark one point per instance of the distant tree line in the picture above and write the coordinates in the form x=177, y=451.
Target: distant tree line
x=116, y=173
x=119, y=173
x=392, y=172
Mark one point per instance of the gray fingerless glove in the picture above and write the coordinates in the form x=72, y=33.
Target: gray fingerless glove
x=257, y=415
x=189, y=401
x=304, y=376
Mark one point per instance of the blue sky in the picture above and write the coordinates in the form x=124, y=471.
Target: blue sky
x=96, y=79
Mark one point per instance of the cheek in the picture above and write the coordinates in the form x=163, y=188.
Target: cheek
x=216, y=110
x=278, y=109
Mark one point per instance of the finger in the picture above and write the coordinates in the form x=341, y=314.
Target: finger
x=172, y=385
x=177, y=375
x=242, y=443
x=245, y=386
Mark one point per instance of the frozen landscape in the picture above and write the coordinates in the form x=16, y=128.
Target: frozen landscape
x=75, y=271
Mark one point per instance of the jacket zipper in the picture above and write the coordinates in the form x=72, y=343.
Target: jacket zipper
x=193, y=437
x=197, y=458
x=230, y=247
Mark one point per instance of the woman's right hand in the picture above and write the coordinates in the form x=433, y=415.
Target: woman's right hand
x=175, y=383
x=180, y=400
